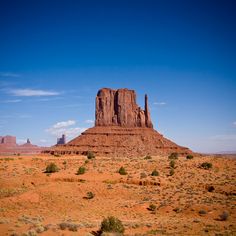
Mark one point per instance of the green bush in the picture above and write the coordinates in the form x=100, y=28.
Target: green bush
x=51, y=168
x=90, y=155
x=122, y=171
x=152, y=207
x=173, y=156
x=189, y=157
x=206, y=165
x=172, y=171
x=172, y=164
x=112, y=224
x=81, y=170
x=224, y=216
x=155, y=173
x=90, y=195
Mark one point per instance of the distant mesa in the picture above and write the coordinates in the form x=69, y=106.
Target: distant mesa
x=62, y=140
x=8, y=145
x=122, y=128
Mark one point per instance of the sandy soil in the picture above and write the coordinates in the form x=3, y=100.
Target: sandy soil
x=35, y=203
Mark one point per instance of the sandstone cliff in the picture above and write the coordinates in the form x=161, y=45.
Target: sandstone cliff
x=119, y=108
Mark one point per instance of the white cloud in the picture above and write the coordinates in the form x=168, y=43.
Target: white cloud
x=9, y=74
x=63, y=127
x=64, y=124
x=21, y=141
x=159, y=103
x=32, y=92
x=12, y=101
x=89, y=121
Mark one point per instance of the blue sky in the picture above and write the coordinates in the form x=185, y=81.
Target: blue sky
x=55, y=55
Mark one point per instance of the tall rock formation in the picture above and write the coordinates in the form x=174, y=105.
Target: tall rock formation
x=119, y=108
x=121, y=129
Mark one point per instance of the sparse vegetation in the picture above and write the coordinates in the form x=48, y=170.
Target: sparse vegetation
x=210, y=188
x=189, y=157
x=172, y=164
x=122, y=171
x=155, y=173
x=112, y=224
x=224, y=216
x=172, y=171
x=206, y=165
x=152, y=207
x=81, y=170
x=173, y=156
x=90, y=155
x=90, y=195
x=51, y=168
x=143, y=175
x=202, y=212
x=70, y=226
x=147, y=157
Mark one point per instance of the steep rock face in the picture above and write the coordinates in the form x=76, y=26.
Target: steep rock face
x=119, y=108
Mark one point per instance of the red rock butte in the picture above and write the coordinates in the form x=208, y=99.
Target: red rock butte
x=122, y=128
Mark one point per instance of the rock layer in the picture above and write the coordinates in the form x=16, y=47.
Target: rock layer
x=119, y=108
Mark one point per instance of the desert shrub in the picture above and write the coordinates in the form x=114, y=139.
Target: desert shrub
x=81, y=170
x=202, y=212
x=206, y=165
x=173, y=156
x=122, y=171
x=90, y=155
x=224, y=216
x=152, y=207
x=189, y=157
x=143, y=175
x=90, y=195
x=86, y=161
x=69, y=226
x=56, y=154
x=112, y=224
x=147, y=157
x=210, y=188
x=51, y=168
x=155, y=173
x=172, y=164
x=172, y=171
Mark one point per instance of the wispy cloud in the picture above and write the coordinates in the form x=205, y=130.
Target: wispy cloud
x=9, y=74
x=21, y=141
x=12, y=101
x=159, y=103
x=32, y=92
x=89, y=121
x=63, y=124
x=64, y=127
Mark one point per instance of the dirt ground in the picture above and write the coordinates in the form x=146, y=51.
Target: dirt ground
x=193, y=201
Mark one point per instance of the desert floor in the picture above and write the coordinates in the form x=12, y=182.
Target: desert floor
x=35, y=203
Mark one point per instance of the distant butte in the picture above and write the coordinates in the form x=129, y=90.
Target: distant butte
x=122, y=128
x=8, y=145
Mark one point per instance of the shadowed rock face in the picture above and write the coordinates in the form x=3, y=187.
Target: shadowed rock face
x=119, y=108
